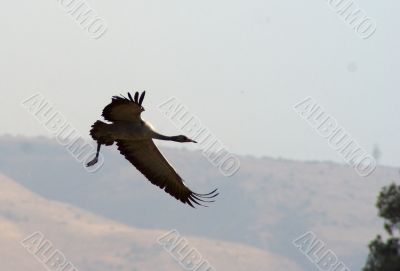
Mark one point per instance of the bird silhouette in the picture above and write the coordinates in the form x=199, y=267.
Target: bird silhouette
x=134, y=139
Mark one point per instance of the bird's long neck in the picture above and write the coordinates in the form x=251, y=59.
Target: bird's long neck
x=164, y=137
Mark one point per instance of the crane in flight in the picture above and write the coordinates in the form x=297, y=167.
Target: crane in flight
x=134, y=139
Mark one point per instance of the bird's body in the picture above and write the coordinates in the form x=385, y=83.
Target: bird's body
x=134, y=139
x=121, y=130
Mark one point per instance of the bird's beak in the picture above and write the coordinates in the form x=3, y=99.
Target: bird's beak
x=191, y=140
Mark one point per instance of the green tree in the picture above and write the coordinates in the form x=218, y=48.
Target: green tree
x=385, y=255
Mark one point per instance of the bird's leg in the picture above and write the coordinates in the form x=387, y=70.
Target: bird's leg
x=96, y=159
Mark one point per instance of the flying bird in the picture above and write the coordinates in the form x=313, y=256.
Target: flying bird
x=134, y=139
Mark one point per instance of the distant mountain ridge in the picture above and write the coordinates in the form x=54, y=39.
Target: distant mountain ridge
x=93, y=243
x=267, y=204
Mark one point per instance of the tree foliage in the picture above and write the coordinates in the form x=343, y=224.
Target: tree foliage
x=385, y=255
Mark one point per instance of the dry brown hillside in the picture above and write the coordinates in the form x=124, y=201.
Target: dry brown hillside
x=94, y=243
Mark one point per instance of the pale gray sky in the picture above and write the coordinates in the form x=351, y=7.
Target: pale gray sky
x=238, y=65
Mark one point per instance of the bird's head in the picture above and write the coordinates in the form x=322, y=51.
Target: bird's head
x=183, y=139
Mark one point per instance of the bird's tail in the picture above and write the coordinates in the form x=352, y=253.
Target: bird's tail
x=100, y=133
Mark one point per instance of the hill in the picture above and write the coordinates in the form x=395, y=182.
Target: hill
x=93, y=243
x=266, y=205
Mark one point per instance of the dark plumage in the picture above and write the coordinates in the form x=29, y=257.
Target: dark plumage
x=134, y=139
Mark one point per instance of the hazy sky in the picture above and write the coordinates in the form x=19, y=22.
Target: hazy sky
x=237, y=65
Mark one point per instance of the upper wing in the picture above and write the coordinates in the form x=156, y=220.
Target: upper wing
x=145, y=156
x=124, y=109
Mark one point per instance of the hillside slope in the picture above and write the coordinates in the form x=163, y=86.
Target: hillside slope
x=94, y=243
x=267, y=204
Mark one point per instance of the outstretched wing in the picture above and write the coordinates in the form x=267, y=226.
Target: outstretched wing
x=124, y=109
x=146, y=157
